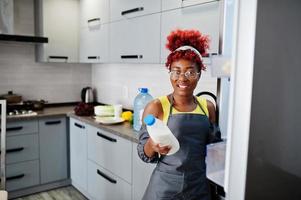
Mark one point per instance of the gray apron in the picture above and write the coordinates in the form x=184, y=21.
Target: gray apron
x=183, y=174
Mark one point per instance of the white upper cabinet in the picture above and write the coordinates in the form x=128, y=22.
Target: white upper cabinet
x=94, y=44
x=204, y=17
x=94, y=12
x=58, y=20
x=173, y=4
x=135, y=40
x=123, y=9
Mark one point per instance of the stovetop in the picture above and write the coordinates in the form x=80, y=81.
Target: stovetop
x=21, y=113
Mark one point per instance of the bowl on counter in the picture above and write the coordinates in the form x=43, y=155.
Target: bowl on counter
x=104, y=110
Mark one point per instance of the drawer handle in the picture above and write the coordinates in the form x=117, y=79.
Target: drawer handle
x=15, y=177
x=132, y=10
x=106, y=137
x=106, y=176
x=14, y=150
x=17, y=128
x=131, y=56
x=53, y=122
x=93, y=57
x=94, y=19
x=79, y=126
x=58, y=57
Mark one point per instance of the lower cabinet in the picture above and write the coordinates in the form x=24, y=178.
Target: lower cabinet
x=53, y=149
x=103, y=185
x=22, y=175
x=78, y=154
x=141, y=174
x=105, y=166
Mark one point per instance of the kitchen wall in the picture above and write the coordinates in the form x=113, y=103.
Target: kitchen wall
x=119, y=83
x=54, y=82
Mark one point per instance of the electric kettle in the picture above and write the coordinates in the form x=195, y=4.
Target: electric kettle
x=87, y=95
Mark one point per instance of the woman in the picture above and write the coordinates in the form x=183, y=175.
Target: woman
x=183, y=174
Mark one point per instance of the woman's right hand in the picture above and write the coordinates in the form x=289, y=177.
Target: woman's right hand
x=152, y=148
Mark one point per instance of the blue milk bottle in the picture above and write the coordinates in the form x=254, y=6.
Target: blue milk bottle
x=141, y=100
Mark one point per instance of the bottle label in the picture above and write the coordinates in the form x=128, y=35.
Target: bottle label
x=140, y=116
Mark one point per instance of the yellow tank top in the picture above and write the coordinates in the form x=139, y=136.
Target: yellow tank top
x=166, y=107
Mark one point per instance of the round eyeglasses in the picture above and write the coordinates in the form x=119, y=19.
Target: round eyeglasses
x=174, y=74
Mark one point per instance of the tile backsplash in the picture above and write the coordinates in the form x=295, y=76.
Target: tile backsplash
x=54, y=82
x=119, y=83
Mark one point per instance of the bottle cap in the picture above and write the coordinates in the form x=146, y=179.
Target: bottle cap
x=143, y=90
x=149, y=120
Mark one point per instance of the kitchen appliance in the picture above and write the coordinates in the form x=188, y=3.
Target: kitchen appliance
x=10, y=18
x=87, y=95
x=3, y=144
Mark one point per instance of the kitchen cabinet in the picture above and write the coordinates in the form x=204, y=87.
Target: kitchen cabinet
x=78, y=154
x=94, y=44
x=53, y=149
x=109, y=151
x=59, y=21
x=203, y=17
x=93, y=12
x=22, y=155
x=125, y=9
x=102, y=184
x=136, y=40
x=173, y=4
x=22, y=175
x=141, y=174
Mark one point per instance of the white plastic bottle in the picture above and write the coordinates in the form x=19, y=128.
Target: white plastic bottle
x=161, y=134
x=140, y=102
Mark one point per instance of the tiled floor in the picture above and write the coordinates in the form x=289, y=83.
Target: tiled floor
x=65, y=193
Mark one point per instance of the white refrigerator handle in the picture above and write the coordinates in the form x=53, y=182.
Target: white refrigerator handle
x=3, y=144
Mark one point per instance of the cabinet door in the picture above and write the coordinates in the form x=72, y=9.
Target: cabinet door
x=94, y=44
x=110, y=151
x=60, y=24
x=135, y=40
x=78, y=154
x=22, y=127
x=204, y=17
x=173, y=4
x=93, y=12
x=53, y=149
x=103, y=185
x=141, y=174
x=124, y=9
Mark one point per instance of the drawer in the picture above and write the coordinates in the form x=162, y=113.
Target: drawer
x=22, y=175
x=110, y=152
x=21, y=127
x=22, y=148
x=103, y=185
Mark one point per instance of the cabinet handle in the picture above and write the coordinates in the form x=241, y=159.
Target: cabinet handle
x=17, y=128
x=106, y=137
x=94, y=19
x=93, y=57
x=58, y=57
x=132, y=10
x=106, y=176
x=53, y=122
x=14, y=150
x=131, y=56
x=14, y=177
x=79, y=126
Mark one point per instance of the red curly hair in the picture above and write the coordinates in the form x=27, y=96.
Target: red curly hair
x=192, y=38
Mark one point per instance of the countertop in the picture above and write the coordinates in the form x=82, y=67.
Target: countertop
x=215, y=152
